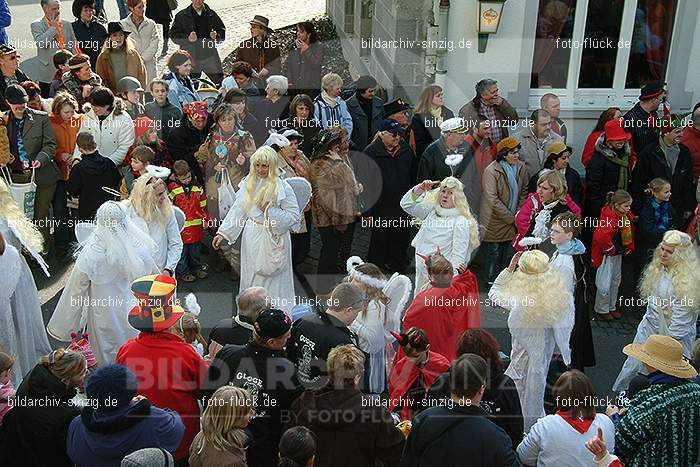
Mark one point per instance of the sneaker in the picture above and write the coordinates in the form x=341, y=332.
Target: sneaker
x=201, y=274
x=188, y=278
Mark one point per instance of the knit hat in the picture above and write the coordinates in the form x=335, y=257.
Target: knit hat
x=149, y=457
x=651, y=90
x=397, y=105
x=663, y=353
x=508, y=143
x=111, y=387
x=156, y=311
x=365, y=82
x=272, y=323
x=83, y=346
x=142, y=125
x=77, y=61
x=615, y=131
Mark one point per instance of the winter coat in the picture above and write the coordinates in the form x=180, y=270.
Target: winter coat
x=179, y=93
x=304, y=70
x=398, y=175
x=530, y=154
x=193, y=202
x=589, y=147
x=146, y=42
x=331, y=116
x=334, y=200
x=90, y=38
x=46, y=42
x=86, y=180
x=70, y=83
x=313, y=337
x=178, y=370
x=159, y=11
x=427, y=129
x=114, y=135
x=104, y=437
x=272, y=115
x=573, y=184
x=65, y=134
x=249, y=51
x=364, y=130
x=184, y=141
x=20, y=76
x=649, y=234
x=691, y=140
x=637, y=122
x=525, y=218
x=269, y=376
x=351, y=428
x=167, y=117
x=36, y=435
x=495, y=217
x=134, y=68
x=39, y=142
x=500, y=402
x=606, y=236
x=204, y=49
x=651, y=163
x=207, y=455
x=505, y=114
x=444, y=436
x=602, y=176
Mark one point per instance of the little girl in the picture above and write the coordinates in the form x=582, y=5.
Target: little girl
x=191, y=331
x=140, y=158
x=612, y=238
x=7, y=390
x=656, y=217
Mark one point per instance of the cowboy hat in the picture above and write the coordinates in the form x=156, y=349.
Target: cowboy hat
x=261, y=21
x=663, y=353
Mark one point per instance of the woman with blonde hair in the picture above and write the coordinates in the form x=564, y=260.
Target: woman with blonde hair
x=540, y=320
x=670, y=285
x=223, y=438
x=264, y=214
x=150, y=209
x=447, y=224
x=430, y=113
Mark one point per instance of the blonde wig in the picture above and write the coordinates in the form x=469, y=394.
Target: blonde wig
x=14, y=216
x=456, y=187
x=539, y=289
x=556, y=181
x=222, y=420
x=260, y=191
x=684, y=270
x=144, y=201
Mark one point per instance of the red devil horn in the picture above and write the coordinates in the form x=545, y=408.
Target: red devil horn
x=396, y=335
x=73, y=335
x=438, y=249
x=425, y=258
x=416, y=340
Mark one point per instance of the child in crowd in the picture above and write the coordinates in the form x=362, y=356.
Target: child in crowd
x=655, y=218
x=131, y=92
x=7, y=390
x=187, y=195
x=89, y=175
x=191, y=331
x=146, y=134
x=60, y=61
x=139, y=157
x=297, y=447
x=613, y=237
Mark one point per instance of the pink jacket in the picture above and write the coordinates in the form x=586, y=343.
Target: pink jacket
x=6, y=391
x=525, y=218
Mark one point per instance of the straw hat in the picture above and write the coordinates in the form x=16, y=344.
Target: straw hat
x=663, y=353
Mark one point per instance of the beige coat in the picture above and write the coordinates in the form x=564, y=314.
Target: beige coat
x=134, y=67
x=146, y=42
x=495, y=217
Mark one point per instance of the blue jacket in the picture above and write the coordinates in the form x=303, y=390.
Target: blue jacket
x=5, y=20
x=330, y=116
x=180, y=95
x=104, y=437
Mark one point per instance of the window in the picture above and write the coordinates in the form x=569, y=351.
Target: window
x=366, y=15
x=350, y=16
x=599, y=52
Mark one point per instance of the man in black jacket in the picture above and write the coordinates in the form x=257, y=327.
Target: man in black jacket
x=261, y=368
x=366, y=110
x=668, y=159
x=315, y=334
x=239, y=329
x=446, y=436
x=640, y=119
x=199, y=30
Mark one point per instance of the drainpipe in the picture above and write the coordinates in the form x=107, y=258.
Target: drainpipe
x=440, y=70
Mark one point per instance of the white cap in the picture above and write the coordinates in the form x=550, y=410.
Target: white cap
x=278, y=139
x=453, y=125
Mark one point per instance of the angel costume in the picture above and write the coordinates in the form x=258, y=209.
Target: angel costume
x=667, y=315
x=532, y=348
x=167, y=237
x=98, y=293
x=441, y=228
x=266, y=248
x=22, y=332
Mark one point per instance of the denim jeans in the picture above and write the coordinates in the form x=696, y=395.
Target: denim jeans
x=499, y=255
x=191, y=259
x=123, y=10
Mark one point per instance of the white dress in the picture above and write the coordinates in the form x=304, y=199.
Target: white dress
x=283, y=217
x=531, y=350
x=667, y=315
x=447, y=229
x=99, y=295
x=371, y=339
x=167, y=237
x=22, y=332
x=565, y=264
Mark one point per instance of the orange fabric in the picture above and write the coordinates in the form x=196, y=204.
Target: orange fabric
x=59, y=32
x=65, y=133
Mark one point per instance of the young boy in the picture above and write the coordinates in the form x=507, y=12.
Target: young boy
x=60, y=61
x=141, y=157
x=89, y=175
x=188, y=196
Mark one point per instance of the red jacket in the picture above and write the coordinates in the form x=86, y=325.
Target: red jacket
x=525, y=217
x=194, y=204
x=170, y=375
x=606, y=241
x=404, y=373
x=589, y=147
x=691, y=140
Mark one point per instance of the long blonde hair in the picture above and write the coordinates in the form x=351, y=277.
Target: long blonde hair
x=267, y=191
x=425, y=99
x=221, y=422
x=145, y=202
x=14, y=216
x=684, y=270
x=460, y=200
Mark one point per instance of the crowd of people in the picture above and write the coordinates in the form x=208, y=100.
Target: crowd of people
x=144, y=181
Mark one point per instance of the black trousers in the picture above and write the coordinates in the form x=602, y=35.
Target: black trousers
x=388, y=247
x=327, y=270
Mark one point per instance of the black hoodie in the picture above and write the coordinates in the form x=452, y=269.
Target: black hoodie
x=86, y=181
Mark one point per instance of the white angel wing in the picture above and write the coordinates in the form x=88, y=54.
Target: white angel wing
x=398, y=289
x=35, y=254
x=180, y=217
x=302, y=190
x=192, y=305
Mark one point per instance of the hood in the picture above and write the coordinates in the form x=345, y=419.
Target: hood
x=114, y=421
x=94, y=164
x=41, y=383
x=331, y=408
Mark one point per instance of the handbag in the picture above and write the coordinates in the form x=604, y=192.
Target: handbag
x=603, y=276
x=275, y=259
x=172, y=4
x=24, y=194
x=227, y=195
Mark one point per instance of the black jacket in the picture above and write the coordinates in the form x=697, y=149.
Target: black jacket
x=36, y=435
x=601, y=177
x=167, y=117
x=204, y=47
x=185, y=141
x=637, y=123
x=159, y=11
x=230, y=331
x=500, y=402
x=651, y=163
x=90, y=38
x=573, y=183
x=270, y=378
x=304, y=70
x=308, y=131
x=426, y=129
x=272, y=115
x=21, y=77
x=364, y=130
x=447, y=437
x=398, y=175
x=351, y=429
x=86, y=181
x=313, y=337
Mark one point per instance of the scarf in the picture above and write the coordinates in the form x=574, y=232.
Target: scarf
x=59, y=32
x=572, y=247
x=393, y=152
x=623, y=162
x=579, y=424
x=626, y=231
x=661, y=215
x=512, y=186
x=330, y=101
x=436, y=112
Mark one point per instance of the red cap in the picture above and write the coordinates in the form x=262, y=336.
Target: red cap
x=141, y=126
x=615, y=131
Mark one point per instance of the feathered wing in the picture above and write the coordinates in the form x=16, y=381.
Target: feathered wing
x=35, y=254
x=302, y=190
x=398, y=289
x=179, y=217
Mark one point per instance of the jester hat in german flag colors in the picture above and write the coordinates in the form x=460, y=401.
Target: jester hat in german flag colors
x=156, y=311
